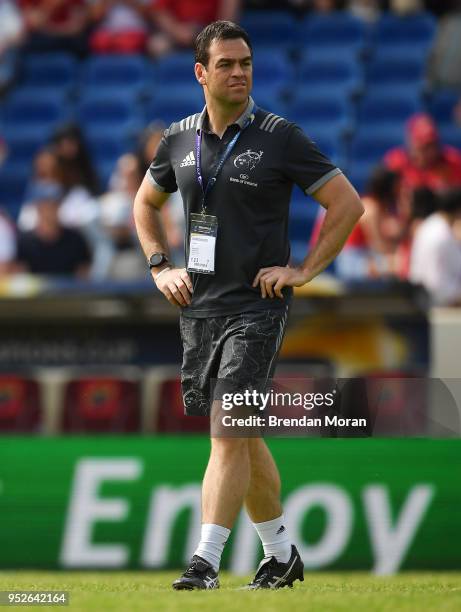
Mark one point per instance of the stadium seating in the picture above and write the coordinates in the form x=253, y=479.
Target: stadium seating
x=451, y=135
x=322, y=117
x=412, y=30
x=386, y=113
x=101, y=405
x=396, y=71
x=176, y=69
x=20, y=405
x=358, y=172
x=334, y=35
x=48, y=70
x=100, y=114
x=174, y=103
x=270, y=28
x=442, y=106
x=369, y=145
x=322, y=76
x=13, y=181
x=116, y=75
x=272, y=70
x=35, y=116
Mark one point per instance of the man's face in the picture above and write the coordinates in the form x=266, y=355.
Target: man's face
x=425, y=154
x=48, y=211
x=229, y=74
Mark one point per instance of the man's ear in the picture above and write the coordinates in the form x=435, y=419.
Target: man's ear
x=200, y=73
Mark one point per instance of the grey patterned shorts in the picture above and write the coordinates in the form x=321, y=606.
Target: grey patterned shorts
x=228, y=354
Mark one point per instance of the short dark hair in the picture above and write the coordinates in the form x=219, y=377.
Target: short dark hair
x=218, y=30
x=423, y=203
x=450, y=201
x=382, y=184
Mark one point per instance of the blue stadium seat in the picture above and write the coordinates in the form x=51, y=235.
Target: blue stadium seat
x=108, y=147
x=392, y=30
x=301, y=223
x=37, y=116
x=442, y=106
x=407, y=51
x=270, y=99
x=397, y=70
x=387, y=112
x=331, y=147
x=341, y=32
x=174, y=103
x=359, y=174
x=105, y=169
x=101, y=115
x=321, y=117
x=370, y=145
x=22, y=146
x=273, y=70
x=174, y=69
x=451, y=135
x=45, y=70
x=13, y=180
x=270, y=28
x=321, y=75
x=117, y=74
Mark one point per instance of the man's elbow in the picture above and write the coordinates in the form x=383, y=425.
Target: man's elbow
x=358, y=207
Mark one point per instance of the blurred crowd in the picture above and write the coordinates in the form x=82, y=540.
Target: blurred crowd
x=411, y=229
x=70, y=225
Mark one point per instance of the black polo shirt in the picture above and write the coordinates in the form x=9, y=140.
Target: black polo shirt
x=251, y=200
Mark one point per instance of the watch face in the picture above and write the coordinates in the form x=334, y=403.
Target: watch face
x=156, y=259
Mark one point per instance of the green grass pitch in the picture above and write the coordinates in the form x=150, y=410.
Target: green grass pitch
x=322, y=592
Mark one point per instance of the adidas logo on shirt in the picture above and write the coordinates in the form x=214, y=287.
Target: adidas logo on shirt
x=189, y=160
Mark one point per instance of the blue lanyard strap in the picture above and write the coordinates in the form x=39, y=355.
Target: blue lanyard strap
x=198, y=165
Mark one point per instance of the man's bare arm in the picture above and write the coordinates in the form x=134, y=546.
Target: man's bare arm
x=344, y=209
x=174, y=283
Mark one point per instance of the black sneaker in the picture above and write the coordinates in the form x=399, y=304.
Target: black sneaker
x=272, y=574
x=199, y=575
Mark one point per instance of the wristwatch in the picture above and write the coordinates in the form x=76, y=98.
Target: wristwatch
x=157, y=259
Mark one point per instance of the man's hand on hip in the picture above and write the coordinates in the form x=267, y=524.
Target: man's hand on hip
x=272, y=280
x=175, y=284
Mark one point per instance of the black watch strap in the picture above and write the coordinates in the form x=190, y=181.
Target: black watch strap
x=157, y=259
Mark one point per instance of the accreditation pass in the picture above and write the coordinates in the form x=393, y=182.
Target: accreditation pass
x=202, y=245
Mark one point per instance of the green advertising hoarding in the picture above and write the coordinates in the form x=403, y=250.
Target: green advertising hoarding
x=134, y=502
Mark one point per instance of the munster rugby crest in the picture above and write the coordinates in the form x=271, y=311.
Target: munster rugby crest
x=248, y=160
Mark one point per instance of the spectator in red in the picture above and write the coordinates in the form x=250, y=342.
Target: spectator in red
x=55, y=25
x=120, y=26
x=179, y=21
x=425, y=161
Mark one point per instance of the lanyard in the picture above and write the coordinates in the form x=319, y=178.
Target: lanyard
x=198, y=156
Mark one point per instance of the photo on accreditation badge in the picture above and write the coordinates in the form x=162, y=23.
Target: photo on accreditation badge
x=230, y=305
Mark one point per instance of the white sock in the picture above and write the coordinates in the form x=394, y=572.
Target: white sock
x=274, y=538
x=211, y=545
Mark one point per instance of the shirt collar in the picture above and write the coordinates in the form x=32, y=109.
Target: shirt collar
x=240, y=121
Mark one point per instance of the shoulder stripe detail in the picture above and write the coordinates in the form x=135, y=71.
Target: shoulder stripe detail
x=270, y=123
x=188, y=122
x=271, y=129
x=265, y=120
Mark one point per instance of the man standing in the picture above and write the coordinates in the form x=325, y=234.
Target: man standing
x=235, y=166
